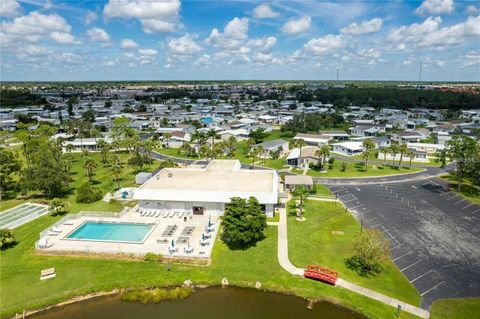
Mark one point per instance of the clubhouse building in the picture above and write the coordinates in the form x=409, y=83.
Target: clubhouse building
x=205, y=191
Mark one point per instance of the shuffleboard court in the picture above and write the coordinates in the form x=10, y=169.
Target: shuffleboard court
x=21, y=214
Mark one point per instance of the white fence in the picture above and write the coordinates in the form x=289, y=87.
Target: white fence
x=69, y=217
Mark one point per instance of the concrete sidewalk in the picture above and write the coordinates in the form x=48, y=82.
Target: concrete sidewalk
x=284, y=261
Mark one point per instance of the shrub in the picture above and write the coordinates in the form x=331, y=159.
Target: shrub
x=151, y=257
x=157, y=295
x=344, y=167
x=7, y=238
x=331, y=160
x=86, y=193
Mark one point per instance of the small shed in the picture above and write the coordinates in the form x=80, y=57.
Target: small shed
x=142, y=177
x=295, y=180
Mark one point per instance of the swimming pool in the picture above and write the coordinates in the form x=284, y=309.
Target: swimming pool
x=112, y=231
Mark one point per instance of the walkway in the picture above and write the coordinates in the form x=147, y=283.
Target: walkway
x=284, y=261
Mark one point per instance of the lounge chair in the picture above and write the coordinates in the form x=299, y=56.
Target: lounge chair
x=52, y=233
x=157, y=214
x=143, y=212
x=68, y=222
x=180, y=215
x=56, y=229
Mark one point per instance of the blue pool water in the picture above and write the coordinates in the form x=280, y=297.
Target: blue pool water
x=124, y=232
x=206, y=120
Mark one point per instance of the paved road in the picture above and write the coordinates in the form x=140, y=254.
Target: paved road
x=435, y=234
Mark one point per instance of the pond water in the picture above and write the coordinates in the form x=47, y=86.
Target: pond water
x=209, y=303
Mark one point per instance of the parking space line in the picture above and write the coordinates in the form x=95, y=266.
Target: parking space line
x=402, y=256
x=468, y=205
x=426, y=292
x=371, y=219
x=411, y=281
x=459, y=201
x=396, y=246
x=478, y=210
x=356, y=206
x=411, y=265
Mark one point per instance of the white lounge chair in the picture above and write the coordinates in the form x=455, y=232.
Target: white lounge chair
x=68, y=222
x=52, y=233
x=171, y=214
x=43, y=243
x=56, y=229
x=164, y=214
x=157, y=214
x=143, y=212
x=180, y=215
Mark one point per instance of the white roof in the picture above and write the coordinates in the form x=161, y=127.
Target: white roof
x=218, y=182
x=236, y=132
x=354, y=146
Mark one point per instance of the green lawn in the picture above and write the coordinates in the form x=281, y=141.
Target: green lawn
x=20, y=269
x=467, y=189
x=102, y=179
x=462, y=308
x=322, y=190
x=358, y=170
x=312, y=242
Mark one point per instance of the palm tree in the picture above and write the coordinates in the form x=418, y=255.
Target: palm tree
x=94, y=133
x=394, y=152
x=261, y=152
x=104, y=149
x=231, y=144
x=300, y=193
x=411, y=155
x=69, y=148
x=89, y=165
x=204, y=152
x=166, y=137
x=368, y=147
x=116, y=169
x=402, y=149
x=213, y=135
x=66, y=164
x=385, y=150
x=322, y=154
x=254, y=154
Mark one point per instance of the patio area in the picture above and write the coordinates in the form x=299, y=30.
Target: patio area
x=174, y=235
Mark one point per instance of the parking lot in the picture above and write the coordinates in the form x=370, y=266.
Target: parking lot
x=434, y=233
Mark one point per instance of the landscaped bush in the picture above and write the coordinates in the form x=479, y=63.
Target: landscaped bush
x=151, y=257
x=157, y=295
x=7, y=238
x=86, y=193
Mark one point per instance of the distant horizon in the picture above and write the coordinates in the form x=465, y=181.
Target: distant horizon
x=177, y=40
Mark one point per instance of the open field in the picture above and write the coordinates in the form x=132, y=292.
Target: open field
x=312, y=242
x=20, y=269
x=103, y=179
x=461, y=308
x=358, y=170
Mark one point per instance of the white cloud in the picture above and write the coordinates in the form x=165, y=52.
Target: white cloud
x=155, y=16
x=472, y=9
x=233, y=36
x=472, y=58
x=128, y=44
x=63, y=37
x=429, y=33
x=264, y=11
x=147, y=52
x=263, y=45
x=36, y=26
x=325, y=45
x=90, y=17
x=204, y=60
x=364, y=27
x=295, y=26
x=99, y=35
x=435, y=7
x=10, y=8
x=370, y=53
x=48, y=5
x=183, y=46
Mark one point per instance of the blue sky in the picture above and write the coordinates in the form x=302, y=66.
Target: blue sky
x=215, y=40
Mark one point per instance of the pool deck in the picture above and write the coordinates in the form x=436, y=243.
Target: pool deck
x=60, y=242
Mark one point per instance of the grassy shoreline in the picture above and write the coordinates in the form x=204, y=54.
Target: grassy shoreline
x=77, y=276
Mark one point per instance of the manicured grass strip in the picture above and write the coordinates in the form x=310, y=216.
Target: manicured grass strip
x=467, y=189
x=358, y=170
x=462, y=308
x=314, y=242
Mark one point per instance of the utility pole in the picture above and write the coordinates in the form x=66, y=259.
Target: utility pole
x=420, y=72
x=338, y=73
